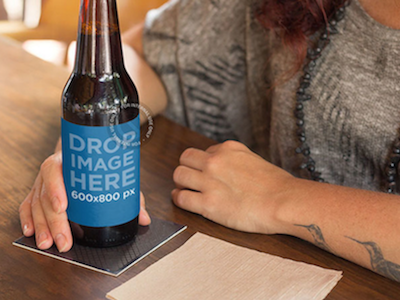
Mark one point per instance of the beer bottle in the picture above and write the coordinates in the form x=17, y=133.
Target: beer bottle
x=100, y=133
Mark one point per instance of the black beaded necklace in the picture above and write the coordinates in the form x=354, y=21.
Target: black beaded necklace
x=302, y=96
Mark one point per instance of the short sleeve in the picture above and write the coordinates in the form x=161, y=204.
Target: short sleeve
x=199, y=50
x=160, y=50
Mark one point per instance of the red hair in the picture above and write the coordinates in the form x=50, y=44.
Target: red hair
x=296, y=20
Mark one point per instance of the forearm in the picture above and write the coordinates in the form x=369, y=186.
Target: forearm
x=361, y=226
x=234, y=187
x=151, y=91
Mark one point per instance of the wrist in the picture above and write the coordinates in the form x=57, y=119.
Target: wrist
x=291, y=205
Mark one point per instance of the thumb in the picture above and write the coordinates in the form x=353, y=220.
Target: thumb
x=144, y=218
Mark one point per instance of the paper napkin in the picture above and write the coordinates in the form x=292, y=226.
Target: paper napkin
x=208, y=268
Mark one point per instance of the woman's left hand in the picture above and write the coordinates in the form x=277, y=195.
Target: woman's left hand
x=233, y=186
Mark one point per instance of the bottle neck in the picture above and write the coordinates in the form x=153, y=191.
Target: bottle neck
x=99, y=48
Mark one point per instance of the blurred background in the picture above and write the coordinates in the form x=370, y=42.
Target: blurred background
x=46, y=28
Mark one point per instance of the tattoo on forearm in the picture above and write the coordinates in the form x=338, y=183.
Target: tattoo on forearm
x=317, y=235
x=378, y=262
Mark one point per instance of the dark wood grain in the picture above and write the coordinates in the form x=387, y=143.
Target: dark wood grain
x=30, y=91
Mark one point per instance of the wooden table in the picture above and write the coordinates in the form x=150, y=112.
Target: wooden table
x=30, y=91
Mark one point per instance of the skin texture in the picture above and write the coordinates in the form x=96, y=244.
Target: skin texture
x=386, y=12
x=231, y=185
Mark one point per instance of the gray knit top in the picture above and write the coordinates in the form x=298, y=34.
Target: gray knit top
x=218, y=65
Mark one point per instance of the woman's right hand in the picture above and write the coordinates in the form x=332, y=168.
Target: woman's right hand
x=43, y=212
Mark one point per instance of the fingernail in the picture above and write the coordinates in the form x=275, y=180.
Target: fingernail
x=42, y=239
x=56, y=205
x=61, y=243
x=147, y=216
x=26, y=229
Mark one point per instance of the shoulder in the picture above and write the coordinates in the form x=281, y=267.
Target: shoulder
x=190, y=13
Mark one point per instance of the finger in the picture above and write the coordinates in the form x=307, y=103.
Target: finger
x=25, y=216
x=179, y=187
x=42, y=232
x=194, y=158
x=227, y=145
x=144, y=218
x=51, y=171
x=57, y=223
x=213, y=148
x=188, y=178
x=188, y=200
x=54, y=202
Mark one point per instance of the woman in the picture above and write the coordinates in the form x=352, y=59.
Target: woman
x=315, y=96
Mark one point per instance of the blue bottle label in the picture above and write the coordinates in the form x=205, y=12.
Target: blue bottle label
x=101, y=168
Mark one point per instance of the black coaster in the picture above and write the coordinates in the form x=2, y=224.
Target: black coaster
x=112, y=261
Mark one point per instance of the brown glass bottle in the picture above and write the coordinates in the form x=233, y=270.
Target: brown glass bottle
x=99, y=93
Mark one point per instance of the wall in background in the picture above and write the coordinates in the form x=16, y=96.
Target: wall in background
x=57, y=22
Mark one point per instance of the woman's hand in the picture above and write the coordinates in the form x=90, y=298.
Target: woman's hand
x=43, y=212
x=232, y=186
